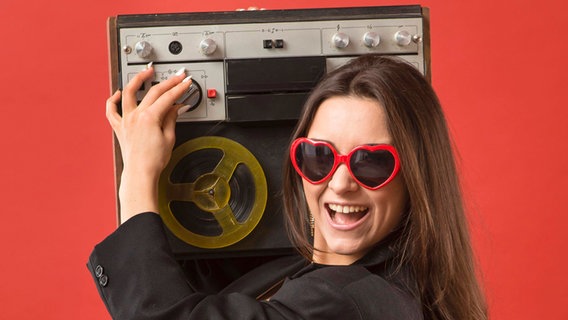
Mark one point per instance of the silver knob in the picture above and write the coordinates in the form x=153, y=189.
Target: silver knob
x=371, y=39
x=207, y=46
x=402, y=38
x=340, y=40
x=143, y=49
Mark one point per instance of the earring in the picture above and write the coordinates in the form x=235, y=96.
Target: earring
x=312, y=224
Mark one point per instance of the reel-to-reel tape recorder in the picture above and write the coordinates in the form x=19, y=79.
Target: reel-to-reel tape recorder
x=252, y=70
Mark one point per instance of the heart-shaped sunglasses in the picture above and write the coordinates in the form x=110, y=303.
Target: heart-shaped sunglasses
x=372, y=166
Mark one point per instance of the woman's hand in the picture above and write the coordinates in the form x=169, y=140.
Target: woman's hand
x=146, y=134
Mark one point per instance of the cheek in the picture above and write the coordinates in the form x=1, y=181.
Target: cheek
x=312, y=193
x=402, y=193
x=395, y=199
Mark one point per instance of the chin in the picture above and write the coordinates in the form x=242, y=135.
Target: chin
x=346, y=248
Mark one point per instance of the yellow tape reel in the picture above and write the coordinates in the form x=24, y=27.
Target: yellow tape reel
x=211, y=192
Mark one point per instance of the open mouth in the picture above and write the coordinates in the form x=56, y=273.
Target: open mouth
x=346, y=215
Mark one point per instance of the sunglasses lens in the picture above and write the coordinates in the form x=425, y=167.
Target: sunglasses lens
x=314, y=161
x=372, y=168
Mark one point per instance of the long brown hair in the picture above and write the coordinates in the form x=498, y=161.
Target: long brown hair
x=435, y=241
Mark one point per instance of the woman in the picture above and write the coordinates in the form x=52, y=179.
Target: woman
x=370, y=178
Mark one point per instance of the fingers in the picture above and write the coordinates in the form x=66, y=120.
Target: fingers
x=159, y=89
x=166, y=100
x=129, y=101
x=161, y=97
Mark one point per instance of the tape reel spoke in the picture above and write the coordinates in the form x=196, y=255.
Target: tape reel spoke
x=181, y=191
x=226, y=219
x=221, y=193
x=226, y=167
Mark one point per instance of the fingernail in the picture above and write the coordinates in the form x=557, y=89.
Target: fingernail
x=187, y=78
x=149, y=65
x=183, y=109
x=180, y=71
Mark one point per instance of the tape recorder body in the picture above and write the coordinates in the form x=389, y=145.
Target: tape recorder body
x=252, y=71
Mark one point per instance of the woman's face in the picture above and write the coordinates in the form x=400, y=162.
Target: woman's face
x=367, y=216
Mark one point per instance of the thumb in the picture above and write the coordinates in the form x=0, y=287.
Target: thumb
x=169, y=124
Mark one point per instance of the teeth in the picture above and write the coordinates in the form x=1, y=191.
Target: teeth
x=346, y=209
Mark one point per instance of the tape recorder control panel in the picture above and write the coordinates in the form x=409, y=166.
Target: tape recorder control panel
x=203, y=50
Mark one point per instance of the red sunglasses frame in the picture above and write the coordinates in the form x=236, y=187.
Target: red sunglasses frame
x=345, y=159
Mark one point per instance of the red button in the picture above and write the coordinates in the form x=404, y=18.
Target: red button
x=211, y=93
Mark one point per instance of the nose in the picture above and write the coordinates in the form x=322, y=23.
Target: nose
x=341, y=181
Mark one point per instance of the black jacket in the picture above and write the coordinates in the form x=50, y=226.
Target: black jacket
x=138, y=278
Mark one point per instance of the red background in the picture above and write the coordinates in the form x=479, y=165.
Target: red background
x=499, y=68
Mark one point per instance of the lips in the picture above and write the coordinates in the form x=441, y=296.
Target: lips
x=346, y=217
